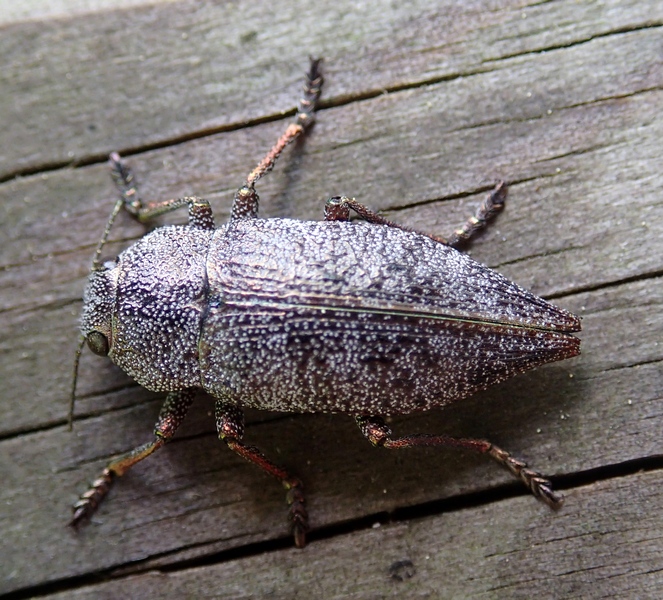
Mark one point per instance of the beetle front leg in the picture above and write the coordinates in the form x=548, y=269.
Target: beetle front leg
x=200, y=212
x=171, y=416
x=230, y=425
x=379, y=434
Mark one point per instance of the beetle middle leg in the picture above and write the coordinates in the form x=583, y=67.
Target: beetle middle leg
x=338, y=209
x=230, y=425
x=170, y=418
x=245, y=204
x=379, y=434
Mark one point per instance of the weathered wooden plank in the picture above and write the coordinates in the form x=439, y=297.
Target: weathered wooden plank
x=584, y=224
x=12, y=12
x=130, y=79
x=605, y=544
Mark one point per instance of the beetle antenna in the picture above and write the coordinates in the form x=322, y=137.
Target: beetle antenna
x=96, y=263
x=72, y=398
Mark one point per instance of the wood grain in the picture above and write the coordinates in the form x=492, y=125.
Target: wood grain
x=581, y=554
x=425, y=107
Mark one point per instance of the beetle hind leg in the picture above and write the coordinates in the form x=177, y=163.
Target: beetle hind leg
x=379, y=434
x=338, y=209
x=171, y=416
x=230, y=425
x=492, y=204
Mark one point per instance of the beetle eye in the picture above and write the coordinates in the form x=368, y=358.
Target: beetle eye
x=98, y=343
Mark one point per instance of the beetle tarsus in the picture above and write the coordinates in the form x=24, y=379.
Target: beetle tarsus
x=298, y=515
x=89, y=502
x=379, y=434
x=539, y=485
x=552, y=498
x=123, y=178
x=312, y=90
x=489, y=208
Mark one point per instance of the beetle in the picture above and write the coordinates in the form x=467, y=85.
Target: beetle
x=363, y=317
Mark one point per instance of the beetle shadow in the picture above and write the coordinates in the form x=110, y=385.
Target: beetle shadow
x=281, y=202
x=198, y=482
x=526, y=416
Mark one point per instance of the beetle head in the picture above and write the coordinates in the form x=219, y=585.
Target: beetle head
x=98, y=304
x=96, y=320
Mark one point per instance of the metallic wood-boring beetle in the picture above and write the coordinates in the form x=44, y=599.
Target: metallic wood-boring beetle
x=364, y=317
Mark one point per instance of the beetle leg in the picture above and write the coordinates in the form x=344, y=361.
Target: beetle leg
x=379, y=434
x=230, y=425
x=246, y=199
x=338, y=209
x=123, y=178
x=171, y=416
x=492, y=204
x=200, y=212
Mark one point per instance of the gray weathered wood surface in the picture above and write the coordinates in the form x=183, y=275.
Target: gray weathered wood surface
x=425, y=107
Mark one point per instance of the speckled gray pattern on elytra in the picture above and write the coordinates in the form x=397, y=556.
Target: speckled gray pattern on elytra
x=302, y=316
